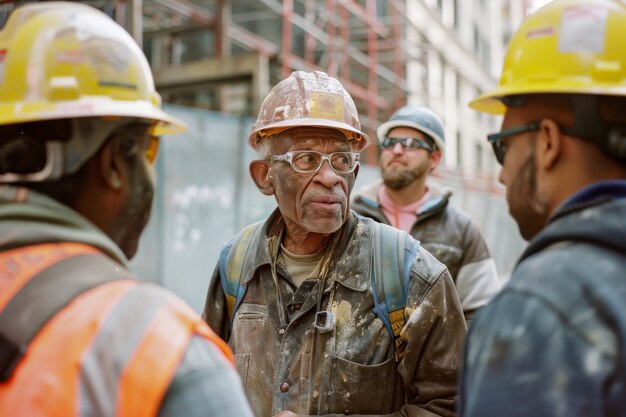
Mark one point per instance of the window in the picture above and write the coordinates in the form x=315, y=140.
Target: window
x=478, y=155
x=459, y=149
x=455, y=13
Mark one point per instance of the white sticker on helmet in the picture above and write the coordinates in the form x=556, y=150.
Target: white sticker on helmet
x=583, y=29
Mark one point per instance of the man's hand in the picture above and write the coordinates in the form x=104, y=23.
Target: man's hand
x=286, y=413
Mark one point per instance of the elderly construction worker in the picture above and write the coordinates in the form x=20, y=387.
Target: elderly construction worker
x=412, y=145
x=79, y=336
x=553, y=342
x=327, y=312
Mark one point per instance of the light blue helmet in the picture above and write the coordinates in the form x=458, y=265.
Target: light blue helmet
x=418, y=117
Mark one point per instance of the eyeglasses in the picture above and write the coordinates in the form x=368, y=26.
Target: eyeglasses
x=135, y=137
x=409, y=143
x=307, y=162
x=499, y=148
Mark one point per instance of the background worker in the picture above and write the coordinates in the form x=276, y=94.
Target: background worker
x=412, y=146
x=79, y=127
x=299, y=296
x=553, y=341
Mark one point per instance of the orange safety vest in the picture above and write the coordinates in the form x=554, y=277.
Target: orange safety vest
x=46, y=380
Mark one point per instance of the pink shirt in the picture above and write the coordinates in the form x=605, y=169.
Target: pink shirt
x=401, y=217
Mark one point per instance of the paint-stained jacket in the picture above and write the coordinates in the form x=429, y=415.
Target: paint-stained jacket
x=451, y=236
x=553, y=342
x=122, y=348
x=352, y=368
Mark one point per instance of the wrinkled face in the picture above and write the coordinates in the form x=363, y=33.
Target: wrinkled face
x=402, y=166
x=135, y=212
x=315, y=202
x=519, y=175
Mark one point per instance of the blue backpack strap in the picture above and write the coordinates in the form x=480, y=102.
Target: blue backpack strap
x=232, y=262
x=392, y=257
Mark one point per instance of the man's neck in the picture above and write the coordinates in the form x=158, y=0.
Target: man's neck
x=409, y=194
x=299, y=241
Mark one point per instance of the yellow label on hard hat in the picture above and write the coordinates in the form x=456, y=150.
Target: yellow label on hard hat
x=327, y=106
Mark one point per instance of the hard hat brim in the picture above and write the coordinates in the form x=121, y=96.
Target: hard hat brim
x=492, y=102
x=92, y=107
x=361, y=142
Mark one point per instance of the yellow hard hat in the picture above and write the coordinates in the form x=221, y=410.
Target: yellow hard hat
x=308, y=99
x=61, y=60
x=566, y=47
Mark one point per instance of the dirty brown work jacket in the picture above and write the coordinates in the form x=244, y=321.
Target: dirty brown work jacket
x=351, y=369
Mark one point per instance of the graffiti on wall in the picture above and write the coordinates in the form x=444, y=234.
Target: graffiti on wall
x=191, y=204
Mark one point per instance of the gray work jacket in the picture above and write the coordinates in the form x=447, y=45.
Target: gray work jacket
x=452, y=237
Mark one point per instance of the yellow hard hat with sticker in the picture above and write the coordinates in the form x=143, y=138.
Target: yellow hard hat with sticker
x=567, y=47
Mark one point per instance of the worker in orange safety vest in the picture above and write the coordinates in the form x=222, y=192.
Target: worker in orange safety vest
x=79, y=335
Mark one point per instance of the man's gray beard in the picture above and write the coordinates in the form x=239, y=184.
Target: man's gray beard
x=399, y=179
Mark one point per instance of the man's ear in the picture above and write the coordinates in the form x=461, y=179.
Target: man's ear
x=110, y=166
x=435, y=159
x=549, y=144
x=261, y=175
x=106, y=189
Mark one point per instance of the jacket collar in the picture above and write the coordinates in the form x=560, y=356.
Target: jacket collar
x=28, y=218
x=438, y=200
x=599, y=221
x=350, y=262
x=263, y=241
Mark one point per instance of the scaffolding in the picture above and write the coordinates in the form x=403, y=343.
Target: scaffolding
x=360, y=43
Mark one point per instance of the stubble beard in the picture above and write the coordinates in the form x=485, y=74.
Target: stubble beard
x=134, y=218
x=326, y=224
x=397, y=179
x=530, y=212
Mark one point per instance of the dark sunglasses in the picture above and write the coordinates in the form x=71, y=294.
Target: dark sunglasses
x=408, y=143
x=499, y=148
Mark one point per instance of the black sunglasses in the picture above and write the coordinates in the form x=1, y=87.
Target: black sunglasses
x=499, y=148
x=411, y=143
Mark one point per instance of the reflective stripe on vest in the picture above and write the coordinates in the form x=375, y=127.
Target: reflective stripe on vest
x=19, y=266
x=112, y=351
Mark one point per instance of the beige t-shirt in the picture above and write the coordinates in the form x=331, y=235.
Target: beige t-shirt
x=301, y=267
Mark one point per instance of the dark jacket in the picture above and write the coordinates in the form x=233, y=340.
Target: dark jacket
x=553, y=342
x=352, y=368
x=451, y=236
